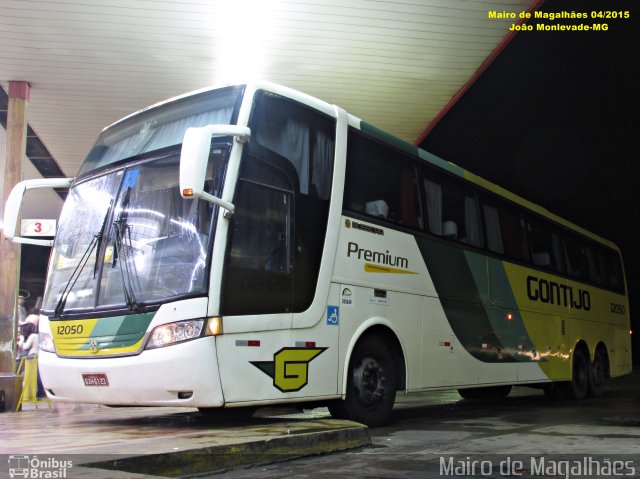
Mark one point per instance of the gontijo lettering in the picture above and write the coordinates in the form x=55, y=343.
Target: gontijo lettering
x=557, y=293
x=385, y=258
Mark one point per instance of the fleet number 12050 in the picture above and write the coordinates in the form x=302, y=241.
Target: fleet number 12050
x=66, y=330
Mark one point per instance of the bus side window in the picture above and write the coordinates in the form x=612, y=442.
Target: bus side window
x=258, y=276
x=492, y=227
x=604, y=267
x=381, y=183
x=596, y=273
x=302, y=136
x=613, y=268
x=575, y=256
x=452, y=209
x=544, y=245
x=433, y=195
x=505, y=227
x=282, y=209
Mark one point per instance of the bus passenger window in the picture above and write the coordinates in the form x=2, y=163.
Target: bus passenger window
x=452, y=209
x=492, y=226
x=575, y=256
x=596, y=274
x=613, y=269
x=433, y=193
x=296, y=134
x=544, y=245
x=604, y=266
x=380, y=183
x=505, y=230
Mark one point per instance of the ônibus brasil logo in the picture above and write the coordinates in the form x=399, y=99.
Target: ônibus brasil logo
x=33, y=467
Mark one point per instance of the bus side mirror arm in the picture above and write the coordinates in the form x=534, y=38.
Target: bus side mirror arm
x=194, y=157
x=14, y=203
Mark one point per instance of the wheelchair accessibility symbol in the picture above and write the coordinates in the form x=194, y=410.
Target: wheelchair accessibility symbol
x=333, y=315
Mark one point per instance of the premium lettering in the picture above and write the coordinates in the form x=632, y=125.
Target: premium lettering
x=379, y=257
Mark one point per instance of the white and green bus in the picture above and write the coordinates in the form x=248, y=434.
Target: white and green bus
x=251, y=245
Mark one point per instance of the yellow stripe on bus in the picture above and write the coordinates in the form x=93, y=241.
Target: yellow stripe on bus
x=376, y=268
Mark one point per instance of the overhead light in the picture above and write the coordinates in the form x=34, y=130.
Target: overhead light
x=244, y=34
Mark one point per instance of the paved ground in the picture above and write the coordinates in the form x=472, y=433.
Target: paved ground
x=525, y=435
x=432, y=435
x=160, y=441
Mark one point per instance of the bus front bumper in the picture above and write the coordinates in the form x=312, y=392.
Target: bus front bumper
x=184, y=374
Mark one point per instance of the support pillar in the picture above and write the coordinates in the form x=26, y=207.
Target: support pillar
x=10, y=252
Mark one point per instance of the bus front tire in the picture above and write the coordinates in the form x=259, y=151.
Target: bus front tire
x=371, y=385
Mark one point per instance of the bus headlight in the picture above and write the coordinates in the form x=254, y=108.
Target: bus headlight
x=45, y=341
x=173, y=333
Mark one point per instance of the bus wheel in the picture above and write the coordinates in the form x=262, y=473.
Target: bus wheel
x=578, y=387
x=491, y=392
x=597, y=374
x=371, y=385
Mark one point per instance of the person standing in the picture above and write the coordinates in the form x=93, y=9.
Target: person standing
x=28, y=345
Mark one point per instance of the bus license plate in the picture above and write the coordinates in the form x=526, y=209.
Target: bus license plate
x=95, y=379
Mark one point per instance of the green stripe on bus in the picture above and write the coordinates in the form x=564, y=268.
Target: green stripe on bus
x=501, y=308
x=462, y=300
x=120, y=331
x=388, y=138
x=439, y=162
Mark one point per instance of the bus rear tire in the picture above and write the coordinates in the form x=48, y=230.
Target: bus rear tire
x=578, y=387
x=371, y=385
x=490, y=392
x=597, y=374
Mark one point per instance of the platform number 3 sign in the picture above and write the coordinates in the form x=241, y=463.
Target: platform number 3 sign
x=38, y=227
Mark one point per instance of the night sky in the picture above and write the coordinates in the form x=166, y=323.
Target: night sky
x=555, y=119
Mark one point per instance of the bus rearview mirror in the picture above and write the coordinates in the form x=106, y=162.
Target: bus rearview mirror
x=194, y=158
x=14, y=203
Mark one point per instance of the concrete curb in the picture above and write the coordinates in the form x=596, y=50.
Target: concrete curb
x=221, y=457
x=120, y=443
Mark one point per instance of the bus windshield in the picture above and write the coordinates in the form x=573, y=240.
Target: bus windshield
x=127, y=238
x=161, y=126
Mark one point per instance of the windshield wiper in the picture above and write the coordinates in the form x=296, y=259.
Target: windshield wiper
x=100, y=237
x=96, y=241
x=121, y=247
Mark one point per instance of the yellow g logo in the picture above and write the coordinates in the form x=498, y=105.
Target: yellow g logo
x=290, y=367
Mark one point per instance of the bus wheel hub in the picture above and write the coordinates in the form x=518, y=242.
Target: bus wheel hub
x=369, y=380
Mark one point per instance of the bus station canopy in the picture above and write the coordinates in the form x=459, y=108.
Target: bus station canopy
x=396, y=64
